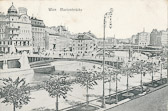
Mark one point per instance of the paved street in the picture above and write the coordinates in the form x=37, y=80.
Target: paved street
x=156, y=101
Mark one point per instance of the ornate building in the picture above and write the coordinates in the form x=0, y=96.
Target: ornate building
x=16, y=35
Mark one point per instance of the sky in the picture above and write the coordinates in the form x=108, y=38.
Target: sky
x=129, y=16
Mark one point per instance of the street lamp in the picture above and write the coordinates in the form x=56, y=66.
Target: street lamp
x=107, y=15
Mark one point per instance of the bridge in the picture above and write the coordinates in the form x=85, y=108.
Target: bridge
x=37, y=61
x=135, y=50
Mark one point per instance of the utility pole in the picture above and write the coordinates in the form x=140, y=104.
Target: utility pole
x=108, y=14
x=167, y=44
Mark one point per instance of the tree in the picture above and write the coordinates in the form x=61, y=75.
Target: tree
x=87, y=79
x=116, y=79
x=57, y=86
x=151, y=68
x=139, y=68
x=128, y=70
x=15, y=92
x=110, y=75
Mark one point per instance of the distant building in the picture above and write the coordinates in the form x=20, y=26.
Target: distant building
x=57, y=43
x=63, y=31
x=134, y=39
x=155, y=38
x=143, y=39
x=84, y=44
x=110, y=42
x=15, y=31
x=164, y=37
x=123, y=41
x=38, y=34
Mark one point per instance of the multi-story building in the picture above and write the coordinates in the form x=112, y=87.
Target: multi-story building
x=155, y=38
x=50, y=38
x=85, y=44
x=4, y=33
x=18, y=35
x=57, y=43
x=143, y=39
x=164, y=37
x=110, y=42
x=63, y=31
x=38, y=35
x=134, y=39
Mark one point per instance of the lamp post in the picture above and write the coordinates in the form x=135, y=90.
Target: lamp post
x=107, y=15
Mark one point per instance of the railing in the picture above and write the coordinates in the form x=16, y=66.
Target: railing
x=17, y=56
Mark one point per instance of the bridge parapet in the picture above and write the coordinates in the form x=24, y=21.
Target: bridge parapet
x=111, y=59
x=9, y=57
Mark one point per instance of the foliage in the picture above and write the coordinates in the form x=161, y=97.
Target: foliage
x=16, y=92
x=57, y=86
x=151, y=67
x=139, y=67
x=87, y=78
x=128, y=68
x=111, y=71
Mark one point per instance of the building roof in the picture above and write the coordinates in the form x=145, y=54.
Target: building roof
x=82, y=36
x=34, y=18
x=12, y=10
x=37, y=22
x=62, y=28
x=85, y=36
x=51, y=31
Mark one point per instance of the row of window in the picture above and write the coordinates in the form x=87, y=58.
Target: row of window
x=2, y=35
x=40, y=44
x=5, y=42
x=22, y=38
x=22, y=43
x=2, y=30
x=37, y=29
x=39, y=23
x=5, y=49
x=38, y=34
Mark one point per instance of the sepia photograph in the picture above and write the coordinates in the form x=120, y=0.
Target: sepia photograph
x=83, y=55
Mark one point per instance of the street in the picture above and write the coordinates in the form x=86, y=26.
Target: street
x=155, y=101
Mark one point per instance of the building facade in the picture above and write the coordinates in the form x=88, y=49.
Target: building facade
x=155, y=38
x=38, y=35
x=17, y=36
x=164, y=37
x=58, y=44
x=143, y=39
x=134, y=39
x=4, y=33
x=85, y=44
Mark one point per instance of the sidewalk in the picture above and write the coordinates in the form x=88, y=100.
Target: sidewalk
x=97, y=104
